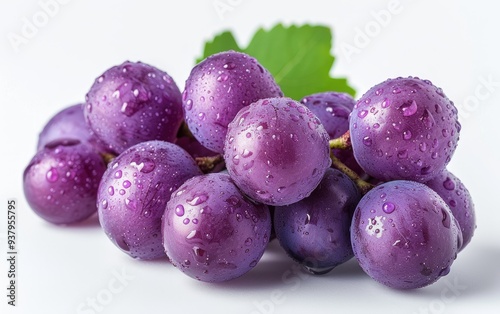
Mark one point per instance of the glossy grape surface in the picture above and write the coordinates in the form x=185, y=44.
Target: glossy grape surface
x=404, y=128
x=133, y=103
x=217, y=88
x=404, y=235
x=276, y=151
x=60, y=183
x=134, y=191
x=69, y=123
x=315, y=230
x=333, y=110
x=211, y=231
x=458, y=198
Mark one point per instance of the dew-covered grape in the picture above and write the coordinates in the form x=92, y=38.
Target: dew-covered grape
x=133, y=103
x=315, y=230
x=217, y=88
x=134, y=191
x=211, y=231
x=404, y=235
x=404, y=128
x=276, y=151
x=458, y=198
x=60, y=183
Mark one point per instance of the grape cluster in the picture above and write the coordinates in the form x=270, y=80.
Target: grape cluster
x=209, y=176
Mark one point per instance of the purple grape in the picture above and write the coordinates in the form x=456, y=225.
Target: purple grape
x=213, y=232
x=333, y=110
x=217, y=88
x=69, y=123
x=458, y=198
x=315, y=230
x=276, y=151
x=404, y=128
x=61, y=181
x=133, y=103
x=404, y=235
x=134, y=191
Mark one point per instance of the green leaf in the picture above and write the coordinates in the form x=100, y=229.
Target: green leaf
x=297, y=56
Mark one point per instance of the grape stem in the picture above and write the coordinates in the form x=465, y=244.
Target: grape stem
x=362, y=185
x=344, y=142
x=341, y=142
x=207, y=164
x=107, y=157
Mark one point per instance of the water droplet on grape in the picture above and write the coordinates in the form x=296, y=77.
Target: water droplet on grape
x=248, y=165
x=122, y=244
x=118, y=174
x=449, y=184
x=409, y=108
x=236, y=159
x=403, y=154
x=445, y=271
x=223, y=77
x=186, y=221
x=367, y=141
x=386, y=103
x=189, y=104
x=179, y=210
x=423, y=147
x=317, y=270
x=111, y=191
x=362, y=114
x=388, y=207
x=104, y=204
x=52, y=175
x=130, y=204
x=197, y=200
x=246, y=153
x=126, y=184
x=229, y=66
x=407, y=135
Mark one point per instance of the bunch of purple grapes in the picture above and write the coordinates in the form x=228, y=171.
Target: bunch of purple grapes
x=206, y=177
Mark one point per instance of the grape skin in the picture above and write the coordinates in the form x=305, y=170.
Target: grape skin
x=69, y=123
x=60, y=182
x=333, y=110
x=133, y=103
x=217, y=88
x=211, y=231
x=404, y=128
x=315, y=230
x=134, y=191
x=276, y=151
x=458, y=198
x=404, y=235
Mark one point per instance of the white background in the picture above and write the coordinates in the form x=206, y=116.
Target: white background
x=61, y=270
